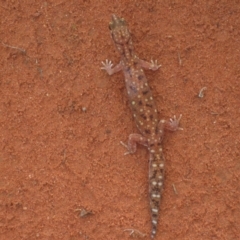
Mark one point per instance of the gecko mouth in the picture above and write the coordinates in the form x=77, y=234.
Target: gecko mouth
x=116, y=22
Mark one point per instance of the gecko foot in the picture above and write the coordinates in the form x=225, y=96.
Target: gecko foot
x=126, y=146
x=174, y=123
x=154, y=65
x=107, y=65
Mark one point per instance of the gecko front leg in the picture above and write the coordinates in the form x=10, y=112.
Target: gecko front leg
x=153, y=65
x=107, y=65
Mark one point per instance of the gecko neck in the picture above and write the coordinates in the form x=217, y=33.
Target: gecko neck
x=128, y=53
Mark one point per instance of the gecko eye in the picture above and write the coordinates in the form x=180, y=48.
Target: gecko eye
x=110, y=26
x=122, y=20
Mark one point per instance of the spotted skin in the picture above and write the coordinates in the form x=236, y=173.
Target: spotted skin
x=143, y=109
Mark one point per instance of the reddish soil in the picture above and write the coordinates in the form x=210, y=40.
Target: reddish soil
x=62, y=118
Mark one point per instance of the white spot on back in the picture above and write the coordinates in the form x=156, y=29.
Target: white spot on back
x=154, y=210
x=156, y=195
x=160, y=184
x=154, y=183
x=154, y=222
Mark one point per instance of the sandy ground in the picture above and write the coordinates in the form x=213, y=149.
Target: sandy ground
x=63, y=174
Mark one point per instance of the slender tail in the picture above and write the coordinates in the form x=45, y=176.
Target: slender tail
x=156, y=178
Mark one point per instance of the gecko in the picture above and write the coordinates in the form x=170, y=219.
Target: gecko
x=144, y=111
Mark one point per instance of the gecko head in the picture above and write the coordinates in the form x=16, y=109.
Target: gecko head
x=119, y=30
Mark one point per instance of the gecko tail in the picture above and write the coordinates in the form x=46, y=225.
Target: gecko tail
x=156, y=178
x=154, y=231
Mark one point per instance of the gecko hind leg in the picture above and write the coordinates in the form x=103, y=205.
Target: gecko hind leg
x=133, y=139
x=171, y=125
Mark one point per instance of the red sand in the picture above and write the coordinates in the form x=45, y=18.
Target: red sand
x=62, y=118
